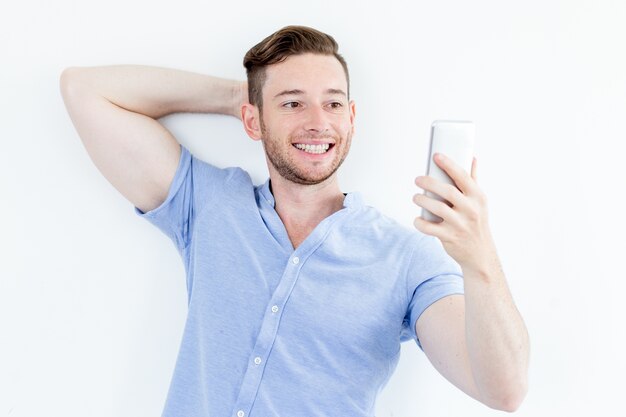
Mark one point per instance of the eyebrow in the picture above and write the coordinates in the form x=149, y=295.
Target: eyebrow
x=299, y=92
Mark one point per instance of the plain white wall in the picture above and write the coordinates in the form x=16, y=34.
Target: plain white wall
x=92, y=298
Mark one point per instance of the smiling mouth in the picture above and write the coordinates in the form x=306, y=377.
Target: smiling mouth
x=315, y=149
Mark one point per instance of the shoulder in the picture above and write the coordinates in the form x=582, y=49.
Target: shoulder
x=204, y=170
x=205, y=184
x=369, y=220
x=374, y=232
x=369, y=227
x=209, y=178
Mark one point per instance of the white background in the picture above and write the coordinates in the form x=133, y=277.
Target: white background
x=92, y=298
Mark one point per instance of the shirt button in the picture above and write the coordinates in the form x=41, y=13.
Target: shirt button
x=257, y=360
x=295, y=260
x=274, y=309
x=240, y=413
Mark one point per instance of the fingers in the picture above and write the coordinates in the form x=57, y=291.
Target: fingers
x=474, y=169
x=461, y=178
x=448, y=215
x=446, y=191
x=427, y=227
x=439, y=230
x=437, y=207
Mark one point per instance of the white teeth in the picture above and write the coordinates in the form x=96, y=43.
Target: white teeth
x=312, y=148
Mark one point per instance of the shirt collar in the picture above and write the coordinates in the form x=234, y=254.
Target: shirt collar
x=352, y=200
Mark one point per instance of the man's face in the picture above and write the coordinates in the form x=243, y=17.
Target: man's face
x=307, y=121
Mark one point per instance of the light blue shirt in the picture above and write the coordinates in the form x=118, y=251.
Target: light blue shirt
x=273, y=331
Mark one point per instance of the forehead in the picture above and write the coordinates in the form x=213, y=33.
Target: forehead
x=307, y=72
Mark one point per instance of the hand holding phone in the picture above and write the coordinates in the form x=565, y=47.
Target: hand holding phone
x=455, y=139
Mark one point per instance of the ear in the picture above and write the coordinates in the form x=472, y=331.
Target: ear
x=352, y=106
x=251, y=121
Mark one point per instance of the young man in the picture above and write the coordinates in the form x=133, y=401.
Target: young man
x=299, y=295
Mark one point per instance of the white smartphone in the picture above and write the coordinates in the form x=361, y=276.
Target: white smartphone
x=454, y=139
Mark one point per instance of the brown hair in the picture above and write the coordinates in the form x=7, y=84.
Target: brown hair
x=290, y=40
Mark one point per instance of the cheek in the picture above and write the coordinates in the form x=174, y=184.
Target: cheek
x=344, y=128
x=282, y=127
x=344, y=122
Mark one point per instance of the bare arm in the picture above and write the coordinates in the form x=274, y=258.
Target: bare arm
x=478, y=341
x=114, y=110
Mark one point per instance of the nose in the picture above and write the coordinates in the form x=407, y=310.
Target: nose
x=316, y=120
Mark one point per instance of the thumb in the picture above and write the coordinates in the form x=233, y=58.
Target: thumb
x=474, y=169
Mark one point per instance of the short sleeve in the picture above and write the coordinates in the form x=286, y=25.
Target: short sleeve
x=432, y=274
x=194, y=185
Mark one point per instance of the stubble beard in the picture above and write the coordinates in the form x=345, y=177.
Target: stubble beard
x=287, y=167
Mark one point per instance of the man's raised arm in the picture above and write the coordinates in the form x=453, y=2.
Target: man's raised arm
x=114, y=110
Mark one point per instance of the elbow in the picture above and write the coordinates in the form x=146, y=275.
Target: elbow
x=68, y=81
x=511, y=400
x=65, y=78
x=66, y=75
x=510, y=405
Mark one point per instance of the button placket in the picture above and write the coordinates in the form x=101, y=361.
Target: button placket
x=267, y=334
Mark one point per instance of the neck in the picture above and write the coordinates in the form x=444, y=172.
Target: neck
x=302, y=207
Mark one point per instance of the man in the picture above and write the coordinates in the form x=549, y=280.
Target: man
x=299, y=295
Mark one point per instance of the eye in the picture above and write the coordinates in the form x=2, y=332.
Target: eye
x=291, y=104
x=336, y=105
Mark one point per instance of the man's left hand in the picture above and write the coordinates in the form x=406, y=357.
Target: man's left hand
x=464, y=231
